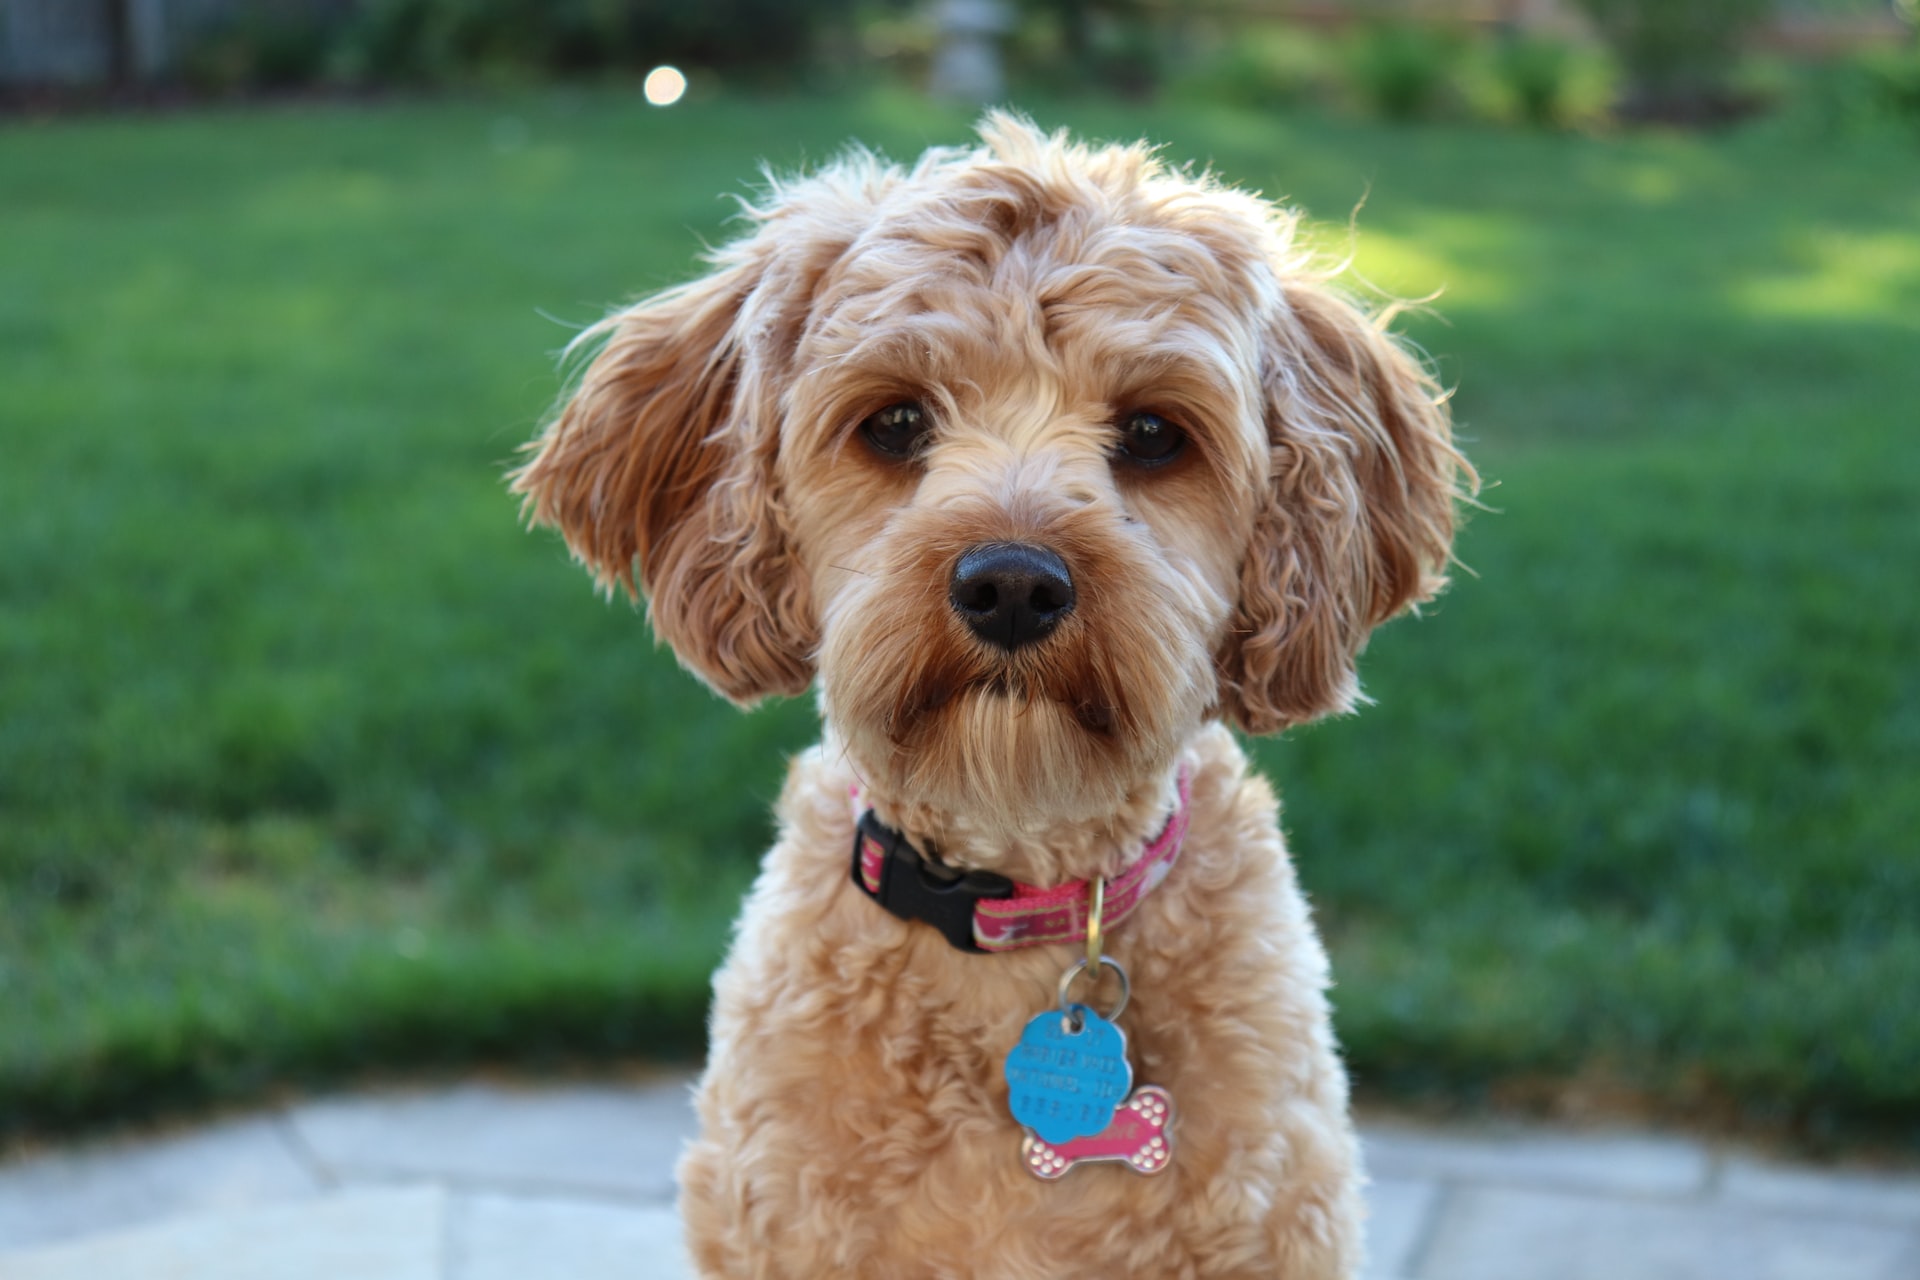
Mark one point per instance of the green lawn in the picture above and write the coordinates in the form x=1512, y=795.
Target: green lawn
x=312, y=762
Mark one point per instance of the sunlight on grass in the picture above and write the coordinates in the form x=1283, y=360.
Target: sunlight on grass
x=1652, y=184
x=1842, y=275
x=1464, y=259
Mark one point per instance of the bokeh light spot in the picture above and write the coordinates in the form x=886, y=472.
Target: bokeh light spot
x=664, y=85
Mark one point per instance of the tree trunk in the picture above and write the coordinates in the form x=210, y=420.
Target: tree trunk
x=120, y=54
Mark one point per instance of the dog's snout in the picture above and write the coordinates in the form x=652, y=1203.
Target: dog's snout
x=1011, y=593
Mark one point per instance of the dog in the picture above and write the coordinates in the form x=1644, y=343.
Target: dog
x=1050, y=463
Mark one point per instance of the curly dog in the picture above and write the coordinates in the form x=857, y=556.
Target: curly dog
x=1048, y=462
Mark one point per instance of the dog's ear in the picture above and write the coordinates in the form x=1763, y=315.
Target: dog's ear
x=662, y=464
x=1358, y=516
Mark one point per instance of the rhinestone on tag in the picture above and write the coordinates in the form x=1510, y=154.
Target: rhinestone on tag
x=1140, y=1137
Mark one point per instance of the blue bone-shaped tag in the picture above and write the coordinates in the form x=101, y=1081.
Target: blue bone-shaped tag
x=1066, y=1084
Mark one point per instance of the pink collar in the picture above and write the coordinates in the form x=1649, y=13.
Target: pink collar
x=983, y=912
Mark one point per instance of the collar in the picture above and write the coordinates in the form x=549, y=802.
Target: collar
x=981, y=911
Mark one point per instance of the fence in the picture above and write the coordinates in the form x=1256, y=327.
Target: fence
x=111, y=41
x=90, y=42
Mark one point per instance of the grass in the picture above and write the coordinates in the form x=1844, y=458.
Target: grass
x=311, y=761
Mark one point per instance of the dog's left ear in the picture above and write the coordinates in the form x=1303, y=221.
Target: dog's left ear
x=1358, y=516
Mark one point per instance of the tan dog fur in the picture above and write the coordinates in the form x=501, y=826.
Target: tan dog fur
x=1028, y=293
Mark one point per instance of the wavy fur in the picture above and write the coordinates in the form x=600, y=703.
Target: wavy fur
x=1029, y=293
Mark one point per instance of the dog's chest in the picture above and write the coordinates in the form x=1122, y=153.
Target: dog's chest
x=855, y=1110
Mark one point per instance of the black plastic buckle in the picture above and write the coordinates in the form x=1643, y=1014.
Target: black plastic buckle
x=910, y=889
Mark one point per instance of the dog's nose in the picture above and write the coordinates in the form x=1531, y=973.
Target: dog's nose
x=1011, y=593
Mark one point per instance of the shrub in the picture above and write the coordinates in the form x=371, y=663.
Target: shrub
x=1402, y=71
x=1119, y=46
x=1263, y=68
x=1676, y=53
x=1537, y=78
x=258, y=47
x=1893, y=76
x=387, y=41
x=1128, y=54
x=1863, y=93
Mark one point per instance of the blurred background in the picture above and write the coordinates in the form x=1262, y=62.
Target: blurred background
x=314, y=765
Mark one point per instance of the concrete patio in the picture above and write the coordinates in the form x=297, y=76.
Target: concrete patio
x=485, y=1182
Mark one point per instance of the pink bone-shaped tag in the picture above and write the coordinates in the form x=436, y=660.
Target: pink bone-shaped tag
x=1140, y=1136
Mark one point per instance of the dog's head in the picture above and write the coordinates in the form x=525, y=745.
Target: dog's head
x=1039, y=454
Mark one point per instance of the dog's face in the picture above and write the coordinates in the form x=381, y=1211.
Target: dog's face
x=1039, y=455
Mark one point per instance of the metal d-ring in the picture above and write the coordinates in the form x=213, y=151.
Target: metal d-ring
x=1074, y=970
x=1096, y=912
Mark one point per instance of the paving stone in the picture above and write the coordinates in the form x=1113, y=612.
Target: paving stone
x=1489, y=1234
x=390, y=1234
x=1835, y=1193
x=1630, y=1163
x=1398, y=1216
x=497, y=1237
x=105, y=1186
x=615, y=1141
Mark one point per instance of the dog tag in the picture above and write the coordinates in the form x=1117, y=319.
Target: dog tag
x=1068, y=1074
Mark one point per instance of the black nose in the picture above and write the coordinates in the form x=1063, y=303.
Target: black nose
x=1011, y=593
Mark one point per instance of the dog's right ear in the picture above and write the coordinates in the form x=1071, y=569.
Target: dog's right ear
x=659, y=471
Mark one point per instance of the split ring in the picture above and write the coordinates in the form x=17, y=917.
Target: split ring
x=1078, y=967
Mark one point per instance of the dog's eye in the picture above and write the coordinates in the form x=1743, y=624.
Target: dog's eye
x=899, y=430
x=1149, y=440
